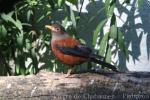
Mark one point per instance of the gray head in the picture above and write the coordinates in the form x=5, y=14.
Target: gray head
x=58, y=32
x=56, y=28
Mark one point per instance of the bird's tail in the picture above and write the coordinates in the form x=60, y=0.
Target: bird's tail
x=99, y=60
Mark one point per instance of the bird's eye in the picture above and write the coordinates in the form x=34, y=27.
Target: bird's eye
x=57, y=29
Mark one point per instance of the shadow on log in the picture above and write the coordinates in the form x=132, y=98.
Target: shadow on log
x=83, y=86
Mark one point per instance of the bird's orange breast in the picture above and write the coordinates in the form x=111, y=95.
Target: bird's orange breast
x=64, y=58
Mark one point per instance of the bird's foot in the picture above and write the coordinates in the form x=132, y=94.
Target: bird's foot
x=66, y=76
x=68, y=73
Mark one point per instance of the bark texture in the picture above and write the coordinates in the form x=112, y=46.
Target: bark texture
x=82, y=86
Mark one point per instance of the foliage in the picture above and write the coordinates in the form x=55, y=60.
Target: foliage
x=114, y=37
x=21, y=38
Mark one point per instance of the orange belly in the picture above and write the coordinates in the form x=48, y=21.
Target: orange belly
x=67, y=59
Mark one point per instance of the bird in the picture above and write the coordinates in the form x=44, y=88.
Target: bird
x=70, y=51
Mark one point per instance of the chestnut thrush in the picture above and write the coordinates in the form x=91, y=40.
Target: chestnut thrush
x=70, y=51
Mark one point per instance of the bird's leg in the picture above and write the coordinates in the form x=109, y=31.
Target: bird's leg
x=69, y=72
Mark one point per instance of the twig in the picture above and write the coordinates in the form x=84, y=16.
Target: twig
x=80, y=10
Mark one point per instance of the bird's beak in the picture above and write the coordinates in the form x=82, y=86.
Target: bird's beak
x=49, y=27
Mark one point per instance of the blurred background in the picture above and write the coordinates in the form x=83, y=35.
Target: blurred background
x=118, y=30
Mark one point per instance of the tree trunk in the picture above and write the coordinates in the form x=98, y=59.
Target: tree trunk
x=83, y=86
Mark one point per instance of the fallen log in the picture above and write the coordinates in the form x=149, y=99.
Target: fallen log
x=82, y=86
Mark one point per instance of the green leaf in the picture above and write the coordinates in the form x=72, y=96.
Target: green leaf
x=31, y=70
x=33, y=53
x=20, y=40
x=61, y=2
x=3, y=31
x=107, y=2
x=140, y=3
x=8, y=18
x=98, y=30
x=103, y=44
x=18, y=25
x=111, y=10
x=113, y=32
x=42, y=17
x=73, y=1
x=17, y=68
x=64, y=22
x=108, y=55
x=28, y=44
x=121, y=43
x=34, y=60
x=32, y=2
x=120, y=40
x=82, y=41
x=27, y=71
x=29, y=13
x=21, y=60
x=26, y=24
x=22, y=70
x=52, y=4
x=11, y=13
x=72, y=16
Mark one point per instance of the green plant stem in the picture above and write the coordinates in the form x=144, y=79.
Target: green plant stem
x=16, y=13
x=80, y=10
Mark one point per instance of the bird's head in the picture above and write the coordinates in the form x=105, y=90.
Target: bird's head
x=56, y=28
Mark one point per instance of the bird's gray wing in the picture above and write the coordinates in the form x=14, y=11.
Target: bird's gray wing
x=78, y=50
